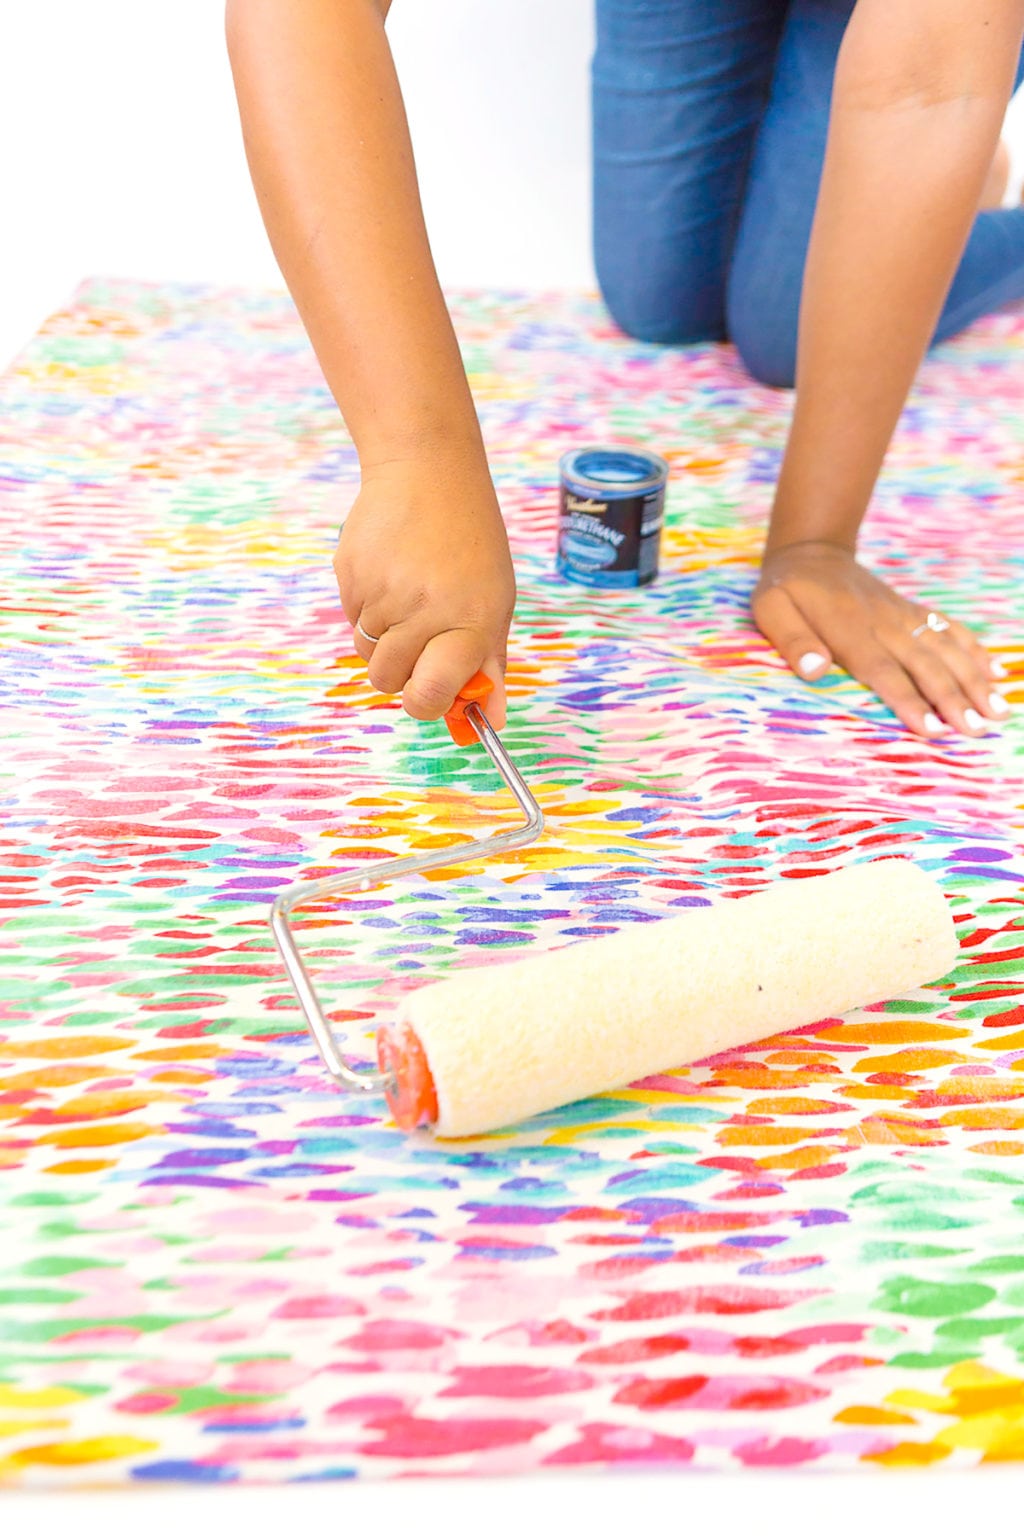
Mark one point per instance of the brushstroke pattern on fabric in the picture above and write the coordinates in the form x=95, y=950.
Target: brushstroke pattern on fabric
x=214, y=1267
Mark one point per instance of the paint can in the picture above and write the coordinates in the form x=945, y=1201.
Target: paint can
x=612, y=506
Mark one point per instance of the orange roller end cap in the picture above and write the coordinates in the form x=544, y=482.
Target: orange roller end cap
x=473, y=692
x=413, y=1099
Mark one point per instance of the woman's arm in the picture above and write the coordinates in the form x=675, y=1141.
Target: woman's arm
x=423, y=560
x=920, y=91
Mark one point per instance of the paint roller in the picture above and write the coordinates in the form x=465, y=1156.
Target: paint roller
x=495, y=1044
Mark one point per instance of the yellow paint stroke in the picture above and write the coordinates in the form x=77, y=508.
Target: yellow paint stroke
x=103, y=1106
x=65, y=1075
x=981, y=1088
x=753, y=1075
x=11, y=1427
x=858, y=1413
x=768, y=1135
x=985, y=1117
x=39, y=1397
x=909, y=1453
x=645, y=1098
x=972, y=1390
x=889, y=1032
x=193, y=1051
x=76, y=1453
x=98, y=1135
x=65, y=1046
x=795, y=1105
x=84, y=1165
x=686, y=550
x=1001, y=1041
x=895, y=1130
x=918, y=1060
x=874, y=1091
x=183, y=1075
x=799, y=1157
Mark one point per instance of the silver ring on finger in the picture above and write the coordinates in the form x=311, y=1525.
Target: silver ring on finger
x=371, y=639
x=933, y=621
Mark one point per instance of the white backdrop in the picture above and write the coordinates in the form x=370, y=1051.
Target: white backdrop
x=120, y=151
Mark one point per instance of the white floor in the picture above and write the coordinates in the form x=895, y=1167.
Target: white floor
x=770, y=1504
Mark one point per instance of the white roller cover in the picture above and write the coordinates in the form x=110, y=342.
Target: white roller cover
x=508, y=1041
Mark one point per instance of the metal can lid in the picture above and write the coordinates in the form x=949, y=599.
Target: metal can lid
x=614, y=469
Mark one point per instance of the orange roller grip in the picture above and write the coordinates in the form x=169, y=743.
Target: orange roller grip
x=413, y=1099
x=473, y=692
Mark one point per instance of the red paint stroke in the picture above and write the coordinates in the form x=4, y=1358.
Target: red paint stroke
x=760, y=1394
x=405, y=1435
x=597, y=1443
x=393, y=1333
x=515, y=1381
x=725, y=1301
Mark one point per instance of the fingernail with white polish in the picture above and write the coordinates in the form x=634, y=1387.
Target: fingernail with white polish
x=998, y=670
x=810, y=661
x=933, y=725
x=997, y=704
x=973, y=720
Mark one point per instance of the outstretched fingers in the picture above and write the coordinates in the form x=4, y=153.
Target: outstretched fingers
x=931, y=672
x=951, y=669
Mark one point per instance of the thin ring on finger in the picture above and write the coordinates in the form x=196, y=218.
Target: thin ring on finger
x=370, y=639
x=960, y=644
x=932, y=621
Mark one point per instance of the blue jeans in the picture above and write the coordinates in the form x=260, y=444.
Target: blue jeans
x=710, y=119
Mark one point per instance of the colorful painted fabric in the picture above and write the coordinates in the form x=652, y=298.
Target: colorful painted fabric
x=216, y=1267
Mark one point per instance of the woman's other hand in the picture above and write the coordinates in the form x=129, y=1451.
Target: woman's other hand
x=817, y=605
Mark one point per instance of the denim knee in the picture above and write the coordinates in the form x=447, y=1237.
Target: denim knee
x=764, y=334
x=670, y=303
x=664, y=326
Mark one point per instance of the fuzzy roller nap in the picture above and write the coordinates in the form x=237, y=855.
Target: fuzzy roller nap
x=499, y=1043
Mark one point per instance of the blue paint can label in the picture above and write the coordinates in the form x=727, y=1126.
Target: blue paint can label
x=612, y=509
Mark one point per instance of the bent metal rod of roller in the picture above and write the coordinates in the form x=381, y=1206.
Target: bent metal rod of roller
x=364, y=1079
